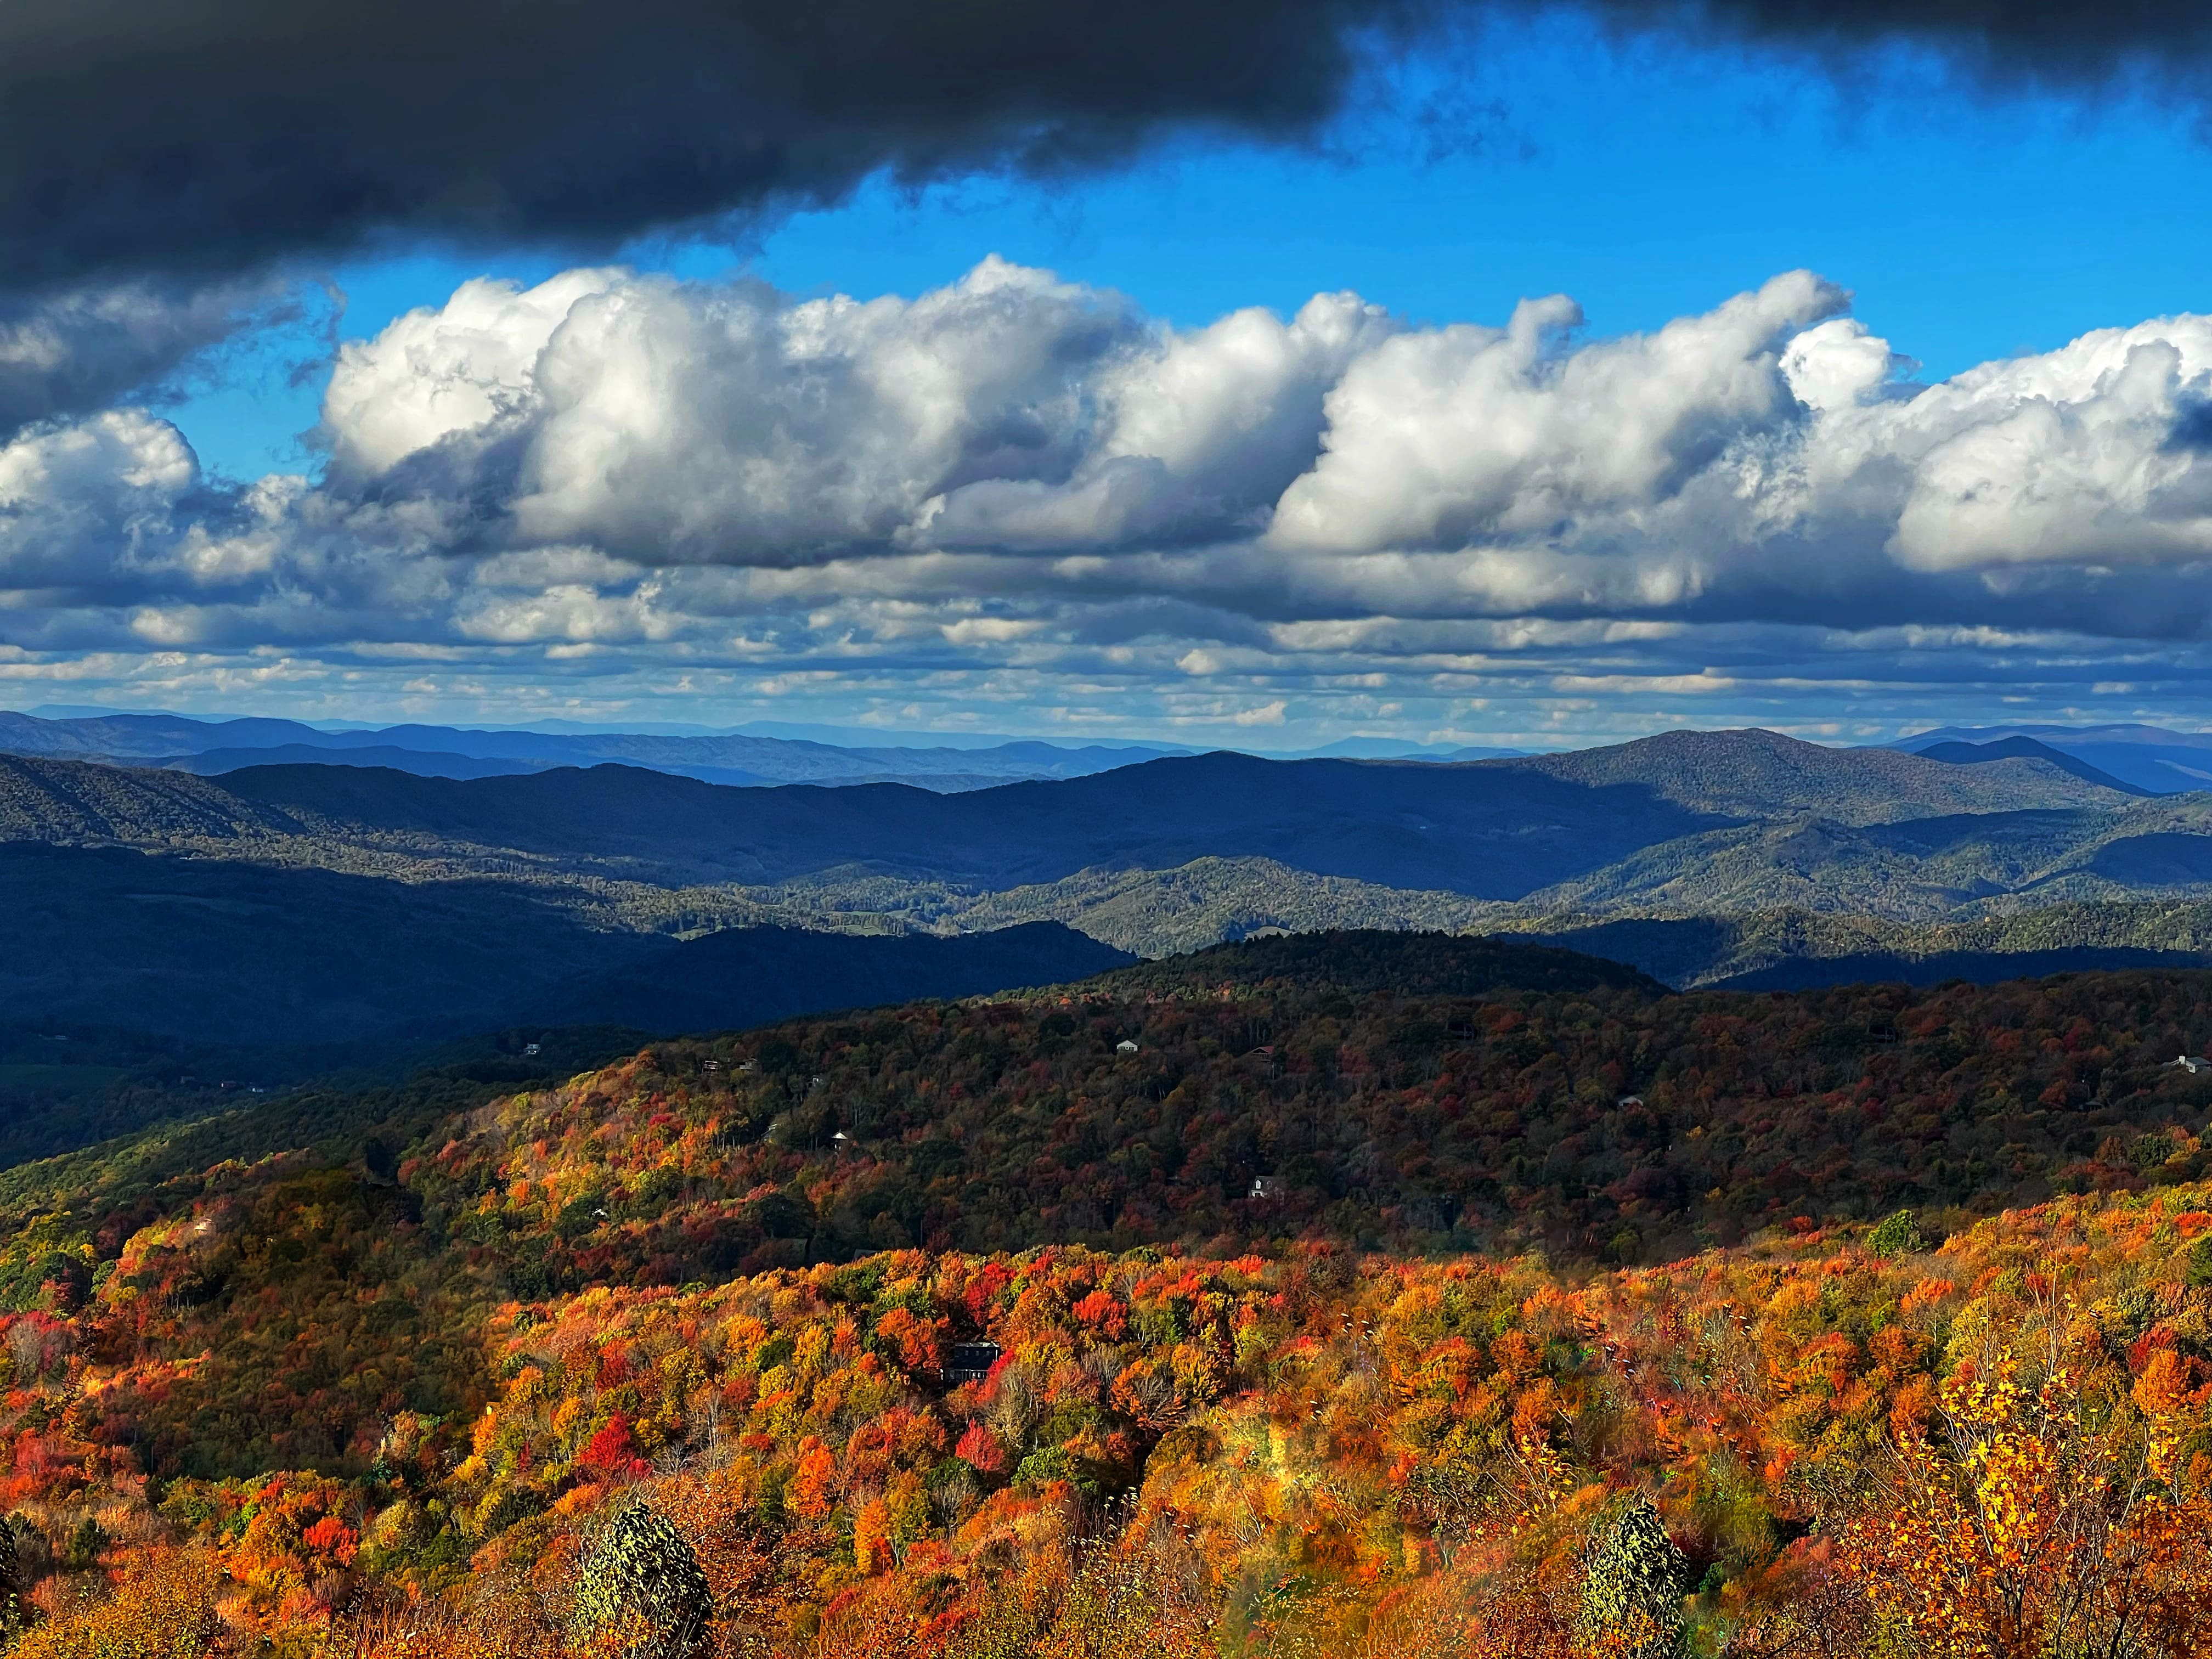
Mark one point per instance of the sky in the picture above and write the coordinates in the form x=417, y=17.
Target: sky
x=1507, y=379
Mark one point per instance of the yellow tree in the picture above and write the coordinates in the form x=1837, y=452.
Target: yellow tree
x=2043, y=1521
x=162, y=1607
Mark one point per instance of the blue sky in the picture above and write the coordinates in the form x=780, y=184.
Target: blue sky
x=1644, y=179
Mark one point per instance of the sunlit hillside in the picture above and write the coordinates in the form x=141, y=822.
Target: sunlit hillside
x=1238, y=1306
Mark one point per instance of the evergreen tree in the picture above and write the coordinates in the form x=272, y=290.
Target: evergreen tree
x=1633, y=1593
x=642, y=1582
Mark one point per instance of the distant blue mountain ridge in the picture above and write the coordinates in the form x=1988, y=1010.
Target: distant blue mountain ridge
x=765, y=754
x=2135, y=759
x=211, y=748
x=2144, y=759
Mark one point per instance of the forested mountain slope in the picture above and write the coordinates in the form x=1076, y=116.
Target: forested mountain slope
x=73, y=803
x=1763, y=775
x=1605, y=1120
x=374, y=1375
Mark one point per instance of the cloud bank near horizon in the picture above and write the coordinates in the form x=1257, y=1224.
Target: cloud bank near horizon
x=1021, y=490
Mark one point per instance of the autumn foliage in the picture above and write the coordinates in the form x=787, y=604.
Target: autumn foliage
x=288, y=1407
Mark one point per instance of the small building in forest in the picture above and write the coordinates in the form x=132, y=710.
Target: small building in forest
x=970, y=1362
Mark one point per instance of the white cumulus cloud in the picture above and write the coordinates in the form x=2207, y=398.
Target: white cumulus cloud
x=1463, y=434
x=1020, y=475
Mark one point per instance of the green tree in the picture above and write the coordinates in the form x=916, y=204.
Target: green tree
x=642, y=1582
x=1895, y=1236
x=1635, y=1582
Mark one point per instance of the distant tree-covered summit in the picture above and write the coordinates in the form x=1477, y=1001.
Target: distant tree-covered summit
x=1358, y=962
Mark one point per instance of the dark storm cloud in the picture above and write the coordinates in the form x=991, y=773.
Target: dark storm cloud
x=66, y=353
x=221, y=133
x=2061, y=43
x=224, y=131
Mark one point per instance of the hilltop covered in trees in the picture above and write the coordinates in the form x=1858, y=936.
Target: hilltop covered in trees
x=1303, y=1451
x=1603, y=1122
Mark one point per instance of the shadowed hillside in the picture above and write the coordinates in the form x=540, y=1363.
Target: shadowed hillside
x=751, y=975
x=245, y=953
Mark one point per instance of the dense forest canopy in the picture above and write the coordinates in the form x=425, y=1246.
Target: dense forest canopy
x=1426, y=1296
x=1605, y=1122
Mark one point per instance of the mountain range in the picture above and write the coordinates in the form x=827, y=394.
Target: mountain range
x=303, y=902
x=762, y=755
x=212, y=748
x=1499, y=830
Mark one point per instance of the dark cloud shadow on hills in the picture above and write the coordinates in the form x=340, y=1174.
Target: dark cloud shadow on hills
x=224, y=951
x=2162, y=859
x=228, y=951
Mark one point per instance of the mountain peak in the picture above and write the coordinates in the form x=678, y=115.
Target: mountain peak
x=1751, y=773
x=2017, y=748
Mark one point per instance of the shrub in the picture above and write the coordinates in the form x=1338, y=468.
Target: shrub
x=642, y=1585
x=1896, y=1235
x=1632, y=1596
x=1044, y=1466
x=2200, y=1263
x=85, y=1545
